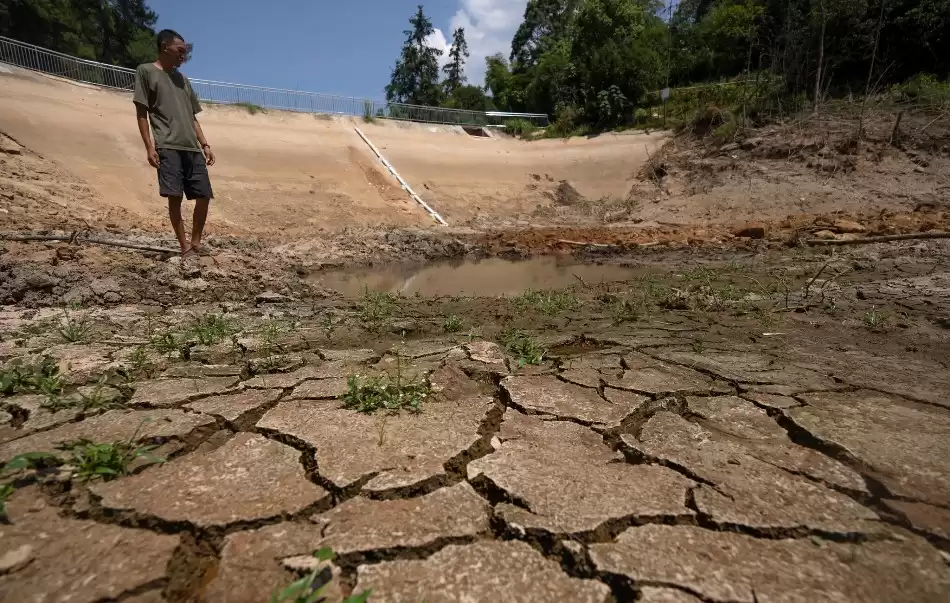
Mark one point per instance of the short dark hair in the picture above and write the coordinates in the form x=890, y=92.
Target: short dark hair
x=166, y=36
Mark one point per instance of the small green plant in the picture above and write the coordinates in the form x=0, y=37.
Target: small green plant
x=37, y=376
x=375, y=307
x=452, y=324
x=211, y=328
x=6, y=491
x=522, y=347
x=101, y=398
x=166, y=342
x=390, y=393
x=875, y=320
x=625, y=310
x=251, y=108
x=699, y=346
x=550, y=303
x=311, y=587
x=106, y=461
x=139, y=366
x=73, y=328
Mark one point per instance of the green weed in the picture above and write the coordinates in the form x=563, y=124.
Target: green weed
x=311, y=587
x=368, y=115
x=211, y=328
x=101, y=398
x=39, y=376
x=167, y=342
x=73, y=328
x=6, y=491
x=522, y=347
x=625, y=310
x=452, y=324
x=375, y=307
x=139, y=366
x=875, y=320
x=390, y=393
x=251, y=108
x=550, y=303
x=106, y=461
x=520, y=127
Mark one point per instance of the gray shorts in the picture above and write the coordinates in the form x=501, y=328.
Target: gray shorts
x=183, y=173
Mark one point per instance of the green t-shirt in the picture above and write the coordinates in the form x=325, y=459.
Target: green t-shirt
x=172, y=105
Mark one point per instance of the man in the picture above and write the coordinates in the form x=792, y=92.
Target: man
x=175, y=144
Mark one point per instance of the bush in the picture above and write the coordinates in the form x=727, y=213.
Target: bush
x=922, y=89
x=520, y=127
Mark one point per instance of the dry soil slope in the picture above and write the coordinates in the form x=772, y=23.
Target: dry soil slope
x=289, y=175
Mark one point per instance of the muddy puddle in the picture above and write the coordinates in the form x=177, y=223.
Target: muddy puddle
x=490, y=277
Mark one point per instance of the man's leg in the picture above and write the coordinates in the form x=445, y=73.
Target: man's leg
x=198, y=221
x=174, y=213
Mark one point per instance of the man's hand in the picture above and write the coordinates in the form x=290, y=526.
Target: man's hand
x=152, y=157
x=209, y=155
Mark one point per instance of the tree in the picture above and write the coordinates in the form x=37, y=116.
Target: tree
x=415, y=78
x=455, y=68
x=545, y=22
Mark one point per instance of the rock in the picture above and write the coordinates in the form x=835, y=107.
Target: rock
x=773, y=401
x=549, y=395
x=487, y=571
x=101, y=286
x=320, y=390
x=825, y=235
x=361, y=525
x=15, y=559
x=250, y=568
x=286, y=380
x=82, y=363
x=112, y=297
x=650, y=594
x=726, y=566
x=113, y=426
x=740, y=488
x=486, y=352
x=752, y=230
x=390, y=451
x=905, y=445
x=250, y=478
x=421, y=349
x=58, y=559
x=571, y=481
x=233, y=407
x=848, y=226
x=584, y=377
x=648, y=376
x=40, y=417
x=172, y=392
x=348, y=356
x=270, y=297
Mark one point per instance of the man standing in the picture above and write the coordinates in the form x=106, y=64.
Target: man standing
x=175, y=144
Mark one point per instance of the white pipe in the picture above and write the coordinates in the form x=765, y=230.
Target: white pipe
x=405, y=185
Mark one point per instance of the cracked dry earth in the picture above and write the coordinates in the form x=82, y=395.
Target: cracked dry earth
x=629, y=466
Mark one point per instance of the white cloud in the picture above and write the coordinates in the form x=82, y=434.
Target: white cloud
x=437, y=40
x=489, y=26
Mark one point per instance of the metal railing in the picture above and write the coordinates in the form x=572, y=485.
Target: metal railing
x=41, y=59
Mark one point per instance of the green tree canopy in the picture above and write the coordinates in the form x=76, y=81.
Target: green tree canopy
x=415, y=78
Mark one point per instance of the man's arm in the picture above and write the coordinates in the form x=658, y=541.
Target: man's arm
x=205, y=147
x=141, y=116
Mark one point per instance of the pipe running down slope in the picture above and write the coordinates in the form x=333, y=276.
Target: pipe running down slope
x=435, y=216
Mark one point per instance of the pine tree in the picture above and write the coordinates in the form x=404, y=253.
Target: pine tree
x=455, y=69
x=415, y=78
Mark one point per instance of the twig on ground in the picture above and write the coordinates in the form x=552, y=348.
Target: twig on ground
x=74, y=238
x=583, y=244
x=880, y=239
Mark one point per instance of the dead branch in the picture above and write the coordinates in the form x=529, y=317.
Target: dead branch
x=880, y=239
x=74, y=238
x=583, y=244
x=895, y=133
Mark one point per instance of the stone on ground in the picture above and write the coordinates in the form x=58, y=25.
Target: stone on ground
x=652, y=377
x=726, y=566
x=233, y=407
x=566, y=480
x=249, y=478
x=484, y=572
x=51, y=558
x=321, y=389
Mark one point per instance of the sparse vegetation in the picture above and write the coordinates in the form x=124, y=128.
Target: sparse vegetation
x=6, y=491
x=139, y=366
x=102, y=397
x=452, y=324
x=522, y=347
x=368, y=114
x=375, y=307
x=74, y=327
x=521, y=128
x=211, y=328
x=251, y=108
x=875, y=320
x=626, y=310
x=35, y=376
x=549, y=303
x=391, y=393
x=311, y=588
x=93, y=460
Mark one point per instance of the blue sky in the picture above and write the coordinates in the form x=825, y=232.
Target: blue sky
x=337, y=47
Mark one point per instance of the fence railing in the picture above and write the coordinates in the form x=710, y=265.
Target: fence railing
x=41, y=59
